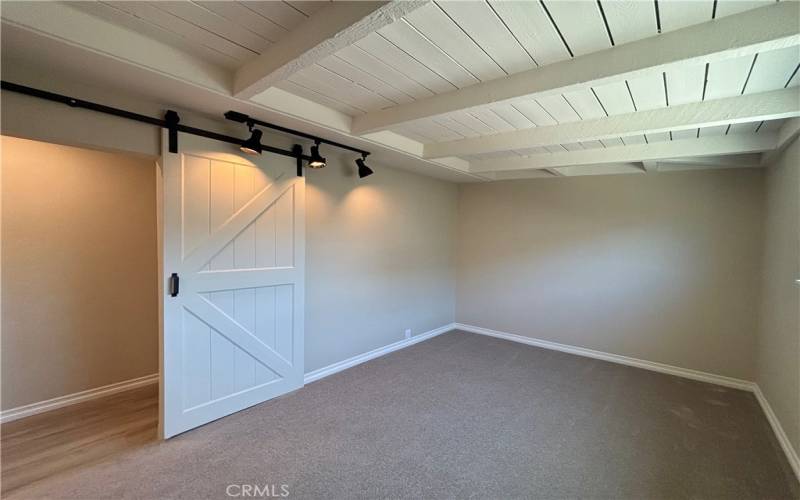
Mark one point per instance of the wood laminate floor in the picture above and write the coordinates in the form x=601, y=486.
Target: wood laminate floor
x=43, y=445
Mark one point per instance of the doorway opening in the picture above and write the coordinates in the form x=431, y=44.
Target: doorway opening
x=80, y=307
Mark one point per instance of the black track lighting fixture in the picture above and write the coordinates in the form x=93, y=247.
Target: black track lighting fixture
x=363, y=169
x=317, y=161
x=252, y=146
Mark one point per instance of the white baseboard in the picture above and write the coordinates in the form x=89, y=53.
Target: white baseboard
x=615, y=358
x=783, y=439
x=78, y=397
x=361, y=358
x=791, y=453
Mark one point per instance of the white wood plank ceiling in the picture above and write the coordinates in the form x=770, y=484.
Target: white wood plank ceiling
x=443, y=47
x=226, y=32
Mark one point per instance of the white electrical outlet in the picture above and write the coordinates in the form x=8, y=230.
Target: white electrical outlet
x=408, y=333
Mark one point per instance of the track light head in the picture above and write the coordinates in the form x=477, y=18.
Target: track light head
x=252, y=146
x=363, y=169
x=316, y=161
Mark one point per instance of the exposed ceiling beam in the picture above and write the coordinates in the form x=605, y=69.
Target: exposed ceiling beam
x=709, y=146
x=741, y=160
x=330, y=29
x=677, y=166
x=750, y=32
x=605, y=169
x=650, y=166
x=787, y=133
x=784, y=103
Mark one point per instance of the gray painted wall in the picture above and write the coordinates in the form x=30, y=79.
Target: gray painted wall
x=778, y=353
x=379, y=256
x=659, y=267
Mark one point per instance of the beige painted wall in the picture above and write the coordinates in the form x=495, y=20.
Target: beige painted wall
x=79, y=305
x=778, y=352
x=379, y=256
x=659, y=267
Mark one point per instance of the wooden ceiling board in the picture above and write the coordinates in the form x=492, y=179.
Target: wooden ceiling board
x=726, y=78
x=512, y=115
x=677, y=14
x=279, y=13
x=312, y=95
x=773, y=69
x=411, y=41
x=659, y=137
x=436, y=132
x=383, y=71
x=412, y=133
x=648, y=91
x=615, y=98
x=468, y=120
x=592, y=145
x=685, y=85
x=324, y=82
x=347, y=89
x=341, y=67
x=559, y=108
x=794, y=81
x=629, y=21
x=308, y=7
x=585, y=104
x=630, y=140
x=455, y=126
x=771, y=126
x=129, y=21
x=434, y=24
x=610, y=143
x=240, y=14
x=744, y=128
x=575, y=146
x=492, y=119
x=386, y=51
x=581, y=24
x=555, y=148
x=220, y=26
x=534, y=112
x=730, y=7
x=678, y=135
x=713, y=131
x=531, y=26
x=481, y=23
x=149, y=12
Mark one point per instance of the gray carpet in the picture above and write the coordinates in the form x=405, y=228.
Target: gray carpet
x=463, y=415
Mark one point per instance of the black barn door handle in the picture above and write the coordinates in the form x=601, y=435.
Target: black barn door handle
x=174, y=285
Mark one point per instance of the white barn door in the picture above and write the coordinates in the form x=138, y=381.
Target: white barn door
x=234, y=235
